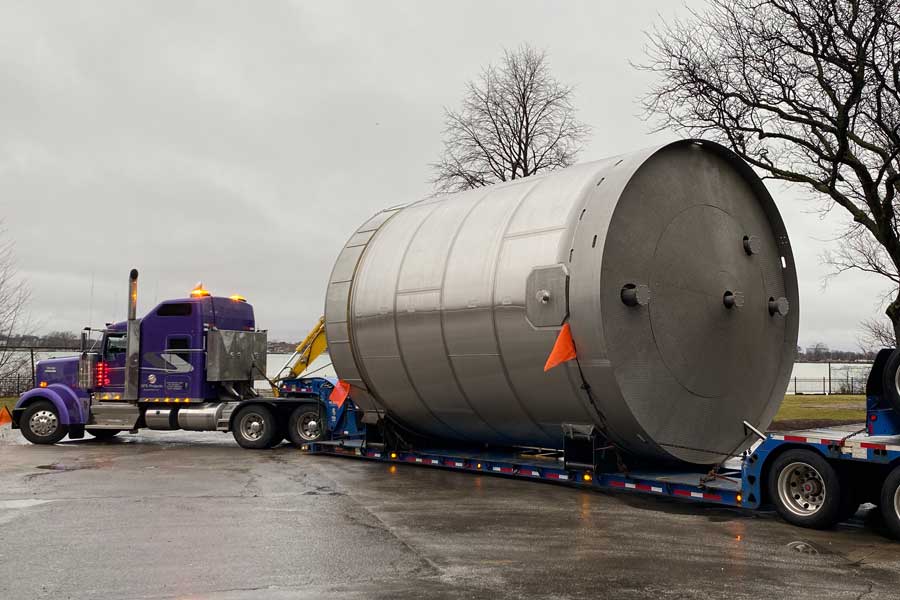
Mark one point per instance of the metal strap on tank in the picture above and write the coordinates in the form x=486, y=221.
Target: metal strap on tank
x=604, y=429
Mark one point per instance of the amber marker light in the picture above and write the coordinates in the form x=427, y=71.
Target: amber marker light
x=43, y=384
x=237, y=298
x=587, y=477
x=393, y=455
x=199, y=291
x=739, y=498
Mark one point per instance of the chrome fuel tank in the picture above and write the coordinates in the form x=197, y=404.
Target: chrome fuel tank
x=671, y=265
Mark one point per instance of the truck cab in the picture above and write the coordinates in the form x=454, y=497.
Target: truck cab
x=187, y=364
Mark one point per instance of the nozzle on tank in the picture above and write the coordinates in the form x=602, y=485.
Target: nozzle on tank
x=781, y=306
x=732, y=299
x=635, y=295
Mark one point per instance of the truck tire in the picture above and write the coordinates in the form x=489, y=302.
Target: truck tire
x=255, y=428
x=305, y=425
x=104, y=434
x=805, y=489
x=40, y=423
x=890, y=502
x=890, y=380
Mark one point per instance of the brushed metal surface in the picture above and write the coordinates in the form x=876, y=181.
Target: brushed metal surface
x=235, y=355
x=426, y=306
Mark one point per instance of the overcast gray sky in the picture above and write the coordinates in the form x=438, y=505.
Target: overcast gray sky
x=241, y=143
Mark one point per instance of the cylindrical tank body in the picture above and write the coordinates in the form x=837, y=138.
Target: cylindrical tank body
x=671, y=266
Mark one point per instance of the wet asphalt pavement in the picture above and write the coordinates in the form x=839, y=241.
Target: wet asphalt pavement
x=191, y=515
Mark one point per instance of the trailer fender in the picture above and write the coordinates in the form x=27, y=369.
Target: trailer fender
x=62, y=397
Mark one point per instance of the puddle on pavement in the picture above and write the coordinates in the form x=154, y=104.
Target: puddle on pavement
x=804, y=547
x=21, y=503
x=60, y=467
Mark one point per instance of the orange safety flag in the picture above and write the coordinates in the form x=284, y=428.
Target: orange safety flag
x=563, y=349
x=5, y=417
x=340, y=392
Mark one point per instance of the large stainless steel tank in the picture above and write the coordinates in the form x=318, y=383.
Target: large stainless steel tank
x=672, y=266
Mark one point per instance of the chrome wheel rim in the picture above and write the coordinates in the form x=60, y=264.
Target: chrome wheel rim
x=801, y=489
x=897, y=501
x=897, y=380
x=308, y=426
x=43, y=423
x=253, y=426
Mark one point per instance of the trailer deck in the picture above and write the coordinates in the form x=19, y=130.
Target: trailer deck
x=549, y=466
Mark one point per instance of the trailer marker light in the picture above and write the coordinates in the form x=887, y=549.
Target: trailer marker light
x=393, y=455
x=739, y=498
x=43, y=384
x=478, y=466
x=587, y=477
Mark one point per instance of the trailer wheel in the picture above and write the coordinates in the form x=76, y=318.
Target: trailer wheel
x=104, y=434
x=40, y=423
x=890, y=502
x=890, y=379
x=805, y=489
x=255, y=427
x=305, y=425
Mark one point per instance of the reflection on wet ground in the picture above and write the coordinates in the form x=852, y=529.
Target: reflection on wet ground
x=171, y=515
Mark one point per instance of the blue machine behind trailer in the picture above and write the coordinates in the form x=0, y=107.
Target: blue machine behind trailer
x=813, y=478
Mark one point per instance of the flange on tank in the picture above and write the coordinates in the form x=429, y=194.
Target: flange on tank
x=671, y=265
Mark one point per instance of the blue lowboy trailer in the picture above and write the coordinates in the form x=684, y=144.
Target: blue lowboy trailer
x=814, y=478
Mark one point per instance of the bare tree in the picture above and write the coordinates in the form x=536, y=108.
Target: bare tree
x=516, y=120
x=14, y=295
x=806, y=91
x=876, y=334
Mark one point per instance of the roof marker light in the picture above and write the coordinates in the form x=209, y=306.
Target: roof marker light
x=237, y=298
x=199, y=291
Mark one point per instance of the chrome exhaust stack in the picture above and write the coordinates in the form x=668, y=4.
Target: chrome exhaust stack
x=133, y=347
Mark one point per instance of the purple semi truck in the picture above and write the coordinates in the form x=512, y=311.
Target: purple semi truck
x=188, y=364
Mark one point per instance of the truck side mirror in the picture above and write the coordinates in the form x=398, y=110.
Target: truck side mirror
x=84, y=339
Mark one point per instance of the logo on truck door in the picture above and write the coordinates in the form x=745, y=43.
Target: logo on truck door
x=168, y=362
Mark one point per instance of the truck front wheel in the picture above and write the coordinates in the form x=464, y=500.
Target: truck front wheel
x=305, y=425
x=255, y=428
x=890, y=502
x=805, y=489
x=40, y=423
